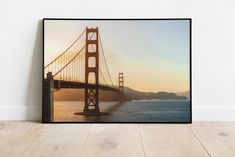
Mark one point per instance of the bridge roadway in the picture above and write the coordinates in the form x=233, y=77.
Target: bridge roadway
x=81, y=85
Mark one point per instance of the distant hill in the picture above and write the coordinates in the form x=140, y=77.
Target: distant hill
x=132, y=94
x=78, y=95
x=187, y=94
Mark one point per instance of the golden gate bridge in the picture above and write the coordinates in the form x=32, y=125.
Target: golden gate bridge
x=79, y=67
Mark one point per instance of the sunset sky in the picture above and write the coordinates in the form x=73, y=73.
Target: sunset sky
x=153, y=55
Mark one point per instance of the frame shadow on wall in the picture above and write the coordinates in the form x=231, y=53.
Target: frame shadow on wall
x=33, y=98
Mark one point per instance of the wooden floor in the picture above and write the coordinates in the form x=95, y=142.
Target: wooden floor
x=200, y=139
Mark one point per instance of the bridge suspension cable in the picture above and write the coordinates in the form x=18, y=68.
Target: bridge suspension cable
x=68, y=65
x=102, y=50
x=102, y=75
x=66, y=49
x=64, y=68
x=70, y=61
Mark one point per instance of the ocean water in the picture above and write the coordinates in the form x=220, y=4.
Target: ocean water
x=130, y=111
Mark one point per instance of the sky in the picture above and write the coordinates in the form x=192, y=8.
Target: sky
x=152, y=54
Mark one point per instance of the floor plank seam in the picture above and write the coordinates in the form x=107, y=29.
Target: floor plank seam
x=86, y=139
x=142, y=142
x=198, y=139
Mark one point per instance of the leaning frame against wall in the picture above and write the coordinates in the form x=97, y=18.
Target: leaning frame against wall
x=117, y=70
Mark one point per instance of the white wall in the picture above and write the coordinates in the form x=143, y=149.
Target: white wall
x=213, y=49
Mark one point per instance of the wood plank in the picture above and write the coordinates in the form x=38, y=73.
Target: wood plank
x=16, y=137
x=113, y=140
x=47, y=140
x=170, y=140
x=217, y=137
x=31, y=139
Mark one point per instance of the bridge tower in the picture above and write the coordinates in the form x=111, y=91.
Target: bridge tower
x=120, y=82
x=48, y=99
x=92, y=71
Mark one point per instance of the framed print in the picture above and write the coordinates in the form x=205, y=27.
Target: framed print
x=117, y=70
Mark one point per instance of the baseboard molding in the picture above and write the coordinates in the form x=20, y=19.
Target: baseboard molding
x=199, y=113
x=213, y=113
x=20, y=113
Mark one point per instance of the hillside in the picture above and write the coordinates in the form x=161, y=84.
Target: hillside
x=137, y=95
x=131, y=94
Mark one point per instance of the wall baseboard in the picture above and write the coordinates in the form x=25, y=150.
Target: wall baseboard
x=20, y=112
x=199, y=113
x=213, y=113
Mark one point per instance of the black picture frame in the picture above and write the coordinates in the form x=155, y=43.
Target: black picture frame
x=45, y=111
